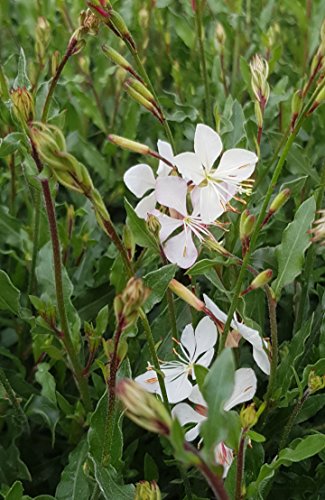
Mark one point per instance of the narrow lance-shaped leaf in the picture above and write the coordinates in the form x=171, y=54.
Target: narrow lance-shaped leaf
x=295, y=241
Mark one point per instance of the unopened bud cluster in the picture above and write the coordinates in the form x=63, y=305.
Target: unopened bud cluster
x=259, y=73
x=147, y=491
x=315, y=382
x=66, y=169
x=22, y=104
x=248, y=416
x=144, y=408
x=129, y=302
x=42, y=39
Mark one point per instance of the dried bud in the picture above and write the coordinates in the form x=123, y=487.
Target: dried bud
x=220, y=34
x=248, y=416
x=124, y=143
x=315, y=382
x=129, y=302
x=144, y=408
x=23, y=104
x=147, y=491
x=318, y=230
x=260, y=70
x=186, y=295
x=89, y=22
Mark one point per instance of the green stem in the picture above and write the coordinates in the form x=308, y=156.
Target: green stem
x=154, y=357
x=37, y=218
x=200, y=36
x=147, y=80
x=20, y=416
x=3, y=85
x=291, y=421
x=309, y=263
x=172, y=314
x=235, y=57
x=274, y=339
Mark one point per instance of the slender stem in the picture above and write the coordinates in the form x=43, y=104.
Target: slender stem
x=274, y=339
x=110, y=415
x=20, y=416
x=112, y=233
x=37, y=218
x=214, y=481
x=235, y=57
x=147, y=80
x=57, y=262
x=154, y=357
x=200, y=36
x=12, y=184
x=3, y=85
x=56, y=77
x=240, y=465
x=291, y=421
x=172, y=314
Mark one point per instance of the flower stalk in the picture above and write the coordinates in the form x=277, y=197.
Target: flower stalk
x=200, y=36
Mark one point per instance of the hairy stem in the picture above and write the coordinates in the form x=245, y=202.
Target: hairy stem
x=200, y=36
x=37, y=218
x=274, y=339
x=291, y=421
x=240, y=465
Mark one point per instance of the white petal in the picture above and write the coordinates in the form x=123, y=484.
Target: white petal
x=205, y=336
x=185, y=414
x=192, y=433
x=181, y=250
x=212, y=205
x=237, y=163
x=205, y=359
x=262, y=360
x=178, y=388
x=165, y=150
x=196, y=397
x=139, y=179
x=220, y=315
x=207, y=145
x=149, y=381
x=224, y=456
x=146, y=205
x=189, y=165
x=171, y=192
x=188, y=341
x=244, y=388
x=168, y=225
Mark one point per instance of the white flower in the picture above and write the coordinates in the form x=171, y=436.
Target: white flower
x=197, y=348
x=215, y=187
x=252, y=336
x=223, y=456
x=140, y=179
x=244, y=390
x=179, y=249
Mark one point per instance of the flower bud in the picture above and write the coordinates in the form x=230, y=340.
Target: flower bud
x=259, y=70
x=280, y=200
x=135, y=147
x=119, y=24
x=258, y=114
x=296, y=103
x=142, y=100
x=315, y=382
x=128, y=240
x=144, y=408
x=186, y=295
x=246, y=224
x=261, y=279
x=248, y=417
x=129, y=302
x=55, y=61
x=147, y=491
x=318, y=230
x=89, y=22
x=220, y=34
x=153, y=224
x=116, y=57
x=140, y=88
x=23, y=104
x=42, y=36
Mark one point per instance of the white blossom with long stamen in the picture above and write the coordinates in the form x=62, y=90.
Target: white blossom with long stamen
x=215, y=187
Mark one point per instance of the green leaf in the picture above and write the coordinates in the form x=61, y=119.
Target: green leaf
x=10, y=144
x=295, y=240
x=200, y=375
x=217, y=388
x=74, y=484
x=255, y=436
x=47, y=381
x=102, y=321
x=12, y=466
x=300, y=449
x=16, y=492
x=22, y=79
x=9, y=297
x=44, y=408
x=141, y=233
x=158, y=282
x=107, y=480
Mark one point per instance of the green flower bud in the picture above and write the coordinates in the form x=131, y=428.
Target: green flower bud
x=115, y=57
x=22, y=104
x=246, y=225
x=259, y=70
x=186, y=295
x=119, y=24
x=144, y=408
x=261, y=279
x=315, y=382
x=147, y=491
x=135, y=147
x=248, y=417
x=280, y=200
x=220, y=34
x=141, y=99
x=140, y=88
